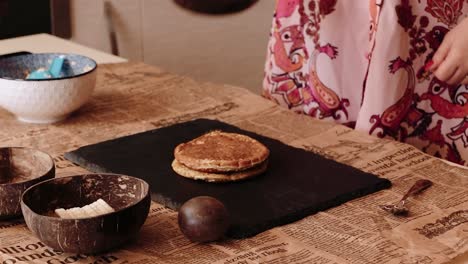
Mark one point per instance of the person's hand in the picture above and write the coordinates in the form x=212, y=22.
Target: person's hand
x=451, y=58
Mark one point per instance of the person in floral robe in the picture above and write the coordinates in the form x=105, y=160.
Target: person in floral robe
x=393, y=68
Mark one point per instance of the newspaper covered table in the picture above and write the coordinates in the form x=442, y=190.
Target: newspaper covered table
x=134, y=97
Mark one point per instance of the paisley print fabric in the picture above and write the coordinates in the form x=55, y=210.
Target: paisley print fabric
x=361, y=63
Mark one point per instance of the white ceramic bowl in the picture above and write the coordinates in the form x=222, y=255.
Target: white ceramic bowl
x=48, y=100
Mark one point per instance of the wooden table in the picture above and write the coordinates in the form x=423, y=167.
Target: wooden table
x=132, y=98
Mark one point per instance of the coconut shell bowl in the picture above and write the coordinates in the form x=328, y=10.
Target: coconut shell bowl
x=20, y=168
x=128, y=196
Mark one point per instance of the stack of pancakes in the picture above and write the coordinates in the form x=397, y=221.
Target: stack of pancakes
x=220, y=157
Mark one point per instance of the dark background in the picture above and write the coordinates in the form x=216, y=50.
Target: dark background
x=24, y=17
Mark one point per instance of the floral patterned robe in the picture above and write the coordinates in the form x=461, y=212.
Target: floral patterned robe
x=361, y=63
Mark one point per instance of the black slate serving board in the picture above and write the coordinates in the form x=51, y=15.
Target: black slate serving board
x=297, y=183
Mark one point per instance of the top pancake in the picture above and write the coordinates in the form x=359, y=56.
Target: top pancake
x=219, y=151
